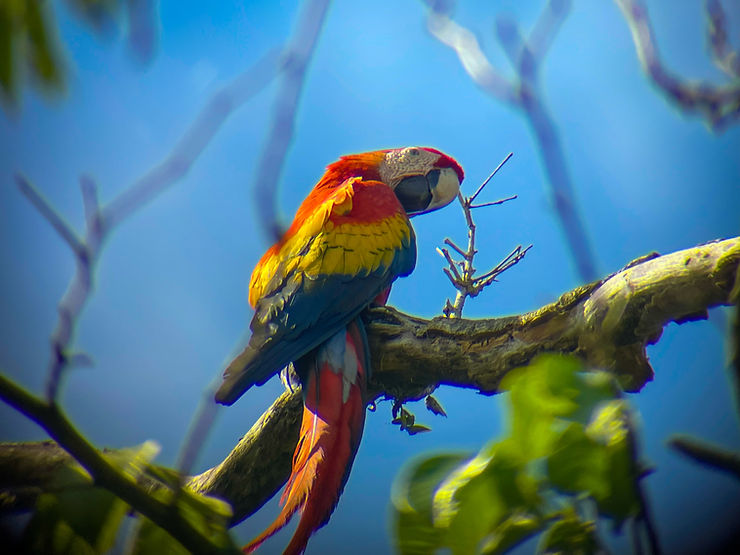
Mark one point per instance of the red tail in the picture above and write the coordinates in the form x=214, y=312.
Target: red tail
x=334, y=379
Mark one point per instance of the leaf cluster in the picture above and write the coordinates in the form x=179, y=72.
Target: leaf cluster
x=569, y=447
x=77, y=517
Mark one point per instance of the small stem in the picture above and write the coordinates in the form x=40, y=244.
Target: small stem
x=454, y=246
x=494, y=203
x=494, y=172
x=51, y=215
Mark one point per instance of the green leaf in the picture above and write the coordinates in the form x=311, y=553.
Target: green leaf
x=610, y=427
x=434, y=406
x=418, y=429
x=9, y=31
x=514, y=530
x=152, y=540
x=412, y=494
x=208, y=515
x=29, y=44
x=598, y=460
x=479, y=496
x=44, y=53
x=539, y=393
x=595, y=387
x=570, y=535
x=579, y=464
x=78, y=517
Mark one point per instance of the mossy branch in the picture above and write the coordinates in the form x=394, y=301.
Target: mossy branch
x=609, y=323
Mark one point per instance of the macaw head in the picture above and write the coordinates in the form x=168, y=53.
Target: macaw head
x=423, y=179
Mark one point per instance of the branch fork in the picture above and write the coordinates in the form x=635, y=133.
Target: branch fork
x=461, y=273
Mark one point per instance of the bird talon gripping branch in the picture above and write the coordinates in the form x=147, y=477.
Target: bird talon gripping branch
x=349, y=240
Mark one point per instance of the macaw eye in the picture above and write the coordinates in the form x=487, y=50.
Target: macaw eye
x=414, y=152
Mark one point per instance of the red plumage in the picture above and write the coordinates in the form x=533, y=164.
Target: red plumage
x=330, y=435
x=350, y=239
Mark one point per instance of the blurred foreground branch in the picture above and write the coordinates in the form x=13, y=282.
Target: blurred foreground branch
x=707, y=454
x=608, y=323
x=100, y=220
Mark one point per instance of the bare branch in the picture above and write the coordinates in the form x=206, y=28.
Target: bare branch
x=472, y=58
x=296, y=58
x=723, y=56
x=89, y=190
x=707, y=454
x=74, y=299
x=487, y=179
x=608, y=323
x=194, y=141
x=494, y=203
x=452, y=264
x=467, y=283
x=50, y=215
x=547, y=27
x=449, y=242
x=524, y=93
x=513, y=258
x=54, y=421
x=718, y=104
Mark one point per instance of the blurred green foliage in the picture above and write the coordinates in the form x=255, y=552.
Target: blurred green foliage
x=29, y=46
x=76, y=517
x=569, y=448
x=31, y=50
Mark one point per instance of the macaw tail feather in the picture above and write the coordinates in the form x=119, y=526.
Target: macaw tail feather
x=334, y=381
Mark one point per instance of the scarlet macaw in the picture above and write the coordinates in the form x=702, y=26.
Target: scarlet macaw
x=350, y=239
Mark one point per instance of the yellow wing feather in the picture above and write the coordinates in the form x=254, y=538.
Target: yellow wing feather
x=321, y=247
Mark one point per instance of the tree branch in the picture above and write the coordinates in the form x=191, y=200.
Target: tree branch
x=718, y=104
x=707, y=454
x=609, y=323
x=104, y=474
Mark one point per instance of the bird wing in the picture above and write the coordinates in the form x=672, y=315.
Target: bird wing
x=346, y=245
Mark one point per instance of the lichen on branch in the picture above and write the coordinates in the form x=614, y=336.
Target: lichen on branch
x=608, y=323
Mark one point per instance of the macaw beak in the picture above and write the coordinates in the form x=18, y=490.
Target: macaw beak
x=419, y=194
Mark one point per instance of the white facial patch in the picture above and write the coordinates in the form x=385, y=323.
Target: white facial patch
x=403, y=162
x=446, y=190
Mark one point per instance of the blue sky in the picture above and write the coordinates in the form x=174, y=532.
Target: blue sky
x=170, y=303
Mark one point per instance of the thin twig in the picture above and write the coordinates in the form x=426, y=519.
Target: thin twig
x=77, y=293
x=195, y=139
x=468, y=50
x=487, y=179
x=453, y=266
x=50, y=215
x=512, y=259
x=449, y=242
x=465, y=280
x=523, y=92
x=494, y=203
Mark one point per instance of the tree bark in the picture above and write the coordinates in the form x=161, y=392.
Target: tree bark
x=608, y=323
